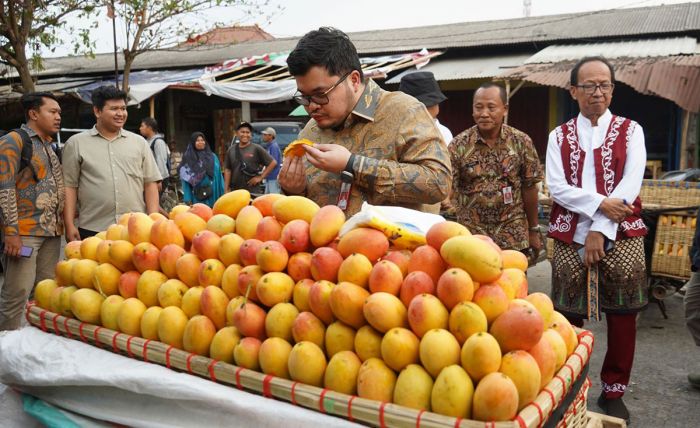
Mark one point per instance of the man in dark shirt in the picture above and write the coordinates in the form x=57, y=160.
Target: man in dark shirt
x=692, y=300
x=245, y=161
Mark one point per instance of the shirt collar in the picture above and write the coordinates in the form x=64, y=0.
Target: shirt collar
x=603, y=120
x=154, y=137
x=94, y=132
x=369, y=100
x=501, y=135
x=32, y=133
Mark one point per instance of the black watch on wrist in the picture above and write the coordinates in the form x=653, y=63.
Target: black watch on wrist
x=349, y=166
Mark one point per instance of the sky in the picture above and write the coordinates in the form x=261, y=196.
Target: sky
x=295, y=17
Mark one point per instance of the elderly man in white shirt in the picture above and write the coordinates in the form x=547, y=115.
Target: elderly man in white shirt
x=595, y=167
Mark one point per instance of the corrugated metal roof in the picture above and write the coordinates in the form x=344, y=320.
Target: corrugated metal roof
x=59, y=84
x=676, y=78
x=577, y=26
x=619, y=49
x=619, y=23
x=468, y=68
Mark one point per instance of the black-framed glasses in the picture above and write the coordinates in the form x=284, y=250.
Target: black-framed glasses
x=320, y=99
x=590, y=88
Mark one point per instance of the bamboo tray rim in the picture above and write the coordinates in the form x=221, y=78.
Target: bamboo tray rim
x=352, y=408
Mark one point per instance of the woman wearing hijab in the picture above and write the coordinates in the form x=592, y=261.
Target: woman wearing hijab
x=200, y=172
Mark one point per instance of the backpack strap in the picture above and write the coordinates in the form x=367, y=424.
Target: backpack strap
x=25, y=160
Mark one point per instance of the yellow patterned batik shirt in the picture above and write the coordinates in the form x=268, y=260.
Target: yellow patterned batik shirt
x=483, y=175
x=400, y=158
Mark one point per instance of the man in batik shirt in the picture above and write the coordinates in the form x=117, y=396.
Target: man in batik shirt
x=495, y=170
x=32, y=196
x=369, y=144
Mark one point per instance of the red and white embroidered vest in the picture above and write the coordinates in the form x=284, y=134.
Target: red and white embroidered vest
x=609, y=160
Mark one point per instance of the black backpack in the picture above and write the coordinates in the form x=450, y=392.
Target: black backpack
x=153, y=150
x=25, y=158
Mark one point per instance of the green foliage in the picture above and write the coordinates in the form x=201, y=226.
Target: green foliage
x=28, y=25
x=159, y=24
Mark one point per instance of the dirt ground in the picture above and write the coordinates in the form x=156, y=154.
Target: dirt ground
x=659, y=394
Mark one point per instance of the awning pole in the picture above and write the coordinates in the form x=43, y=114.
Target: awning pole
x=514, y=91
x=684, y=140
x=152, y=105
x=505, y=119
x=170, y=111
x=245, y=111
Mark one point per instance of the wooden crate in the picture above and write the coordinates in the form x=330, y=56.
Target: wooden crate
x=598, y=420
x=563, y=400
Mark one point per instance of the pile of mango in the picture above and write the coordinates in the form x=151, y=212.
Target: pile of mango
x=445, y=325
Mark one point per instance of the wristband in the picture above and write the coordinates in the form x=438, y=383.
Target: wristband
x=348, y=166
x=534, y=229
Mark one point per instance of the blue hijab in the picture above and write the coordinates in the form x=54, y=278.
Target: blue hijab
x=197, y=163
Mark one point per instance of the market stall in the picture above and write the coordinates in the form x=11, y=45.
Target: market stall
x=384, y=325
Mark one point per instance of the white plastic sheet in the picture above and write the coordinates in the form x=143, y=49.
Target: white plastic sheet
x=99, y=384
x=254, y=92
x=417, y=221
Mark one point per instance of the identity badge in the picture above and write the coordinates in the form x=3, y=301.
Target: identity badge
x=508, y=195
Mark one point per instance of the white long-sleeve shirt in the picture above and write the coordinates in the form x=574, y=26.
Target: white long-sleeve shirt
x=586, y=199
x=445, y=131
x=161, y=153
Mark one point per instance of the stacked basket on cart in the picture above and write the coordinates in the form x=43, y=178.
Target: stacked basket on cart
x=669, y=194
x=674, y=238
x=674, y=230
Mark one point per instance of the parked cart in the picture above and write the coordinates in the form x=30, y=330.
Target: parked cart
x=670, y=213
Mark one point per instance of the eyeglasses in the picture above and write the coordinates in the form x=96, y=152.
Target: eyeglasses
x=322, y=98
x=590, y=88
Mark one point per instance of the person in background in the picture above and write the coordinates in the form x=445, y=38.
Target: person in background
x=200, y=173
x=691, y=301
x=495, y=176
x=422, y=86
x=273, y=149
x=108, y=170
x=175, y=158
x=369, y=144
x=159, y=148
x=246, y=164
x=595, y=167
x=31, y=203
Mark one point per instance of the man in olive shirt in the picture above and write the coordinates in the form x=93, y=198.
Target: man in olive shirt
x=108, y=171
x=383, y=145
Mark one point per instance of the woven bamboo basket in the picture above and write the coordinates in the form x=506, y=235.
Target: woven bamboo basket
x=669, y=194
x=562, y=403
x=672, y=243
